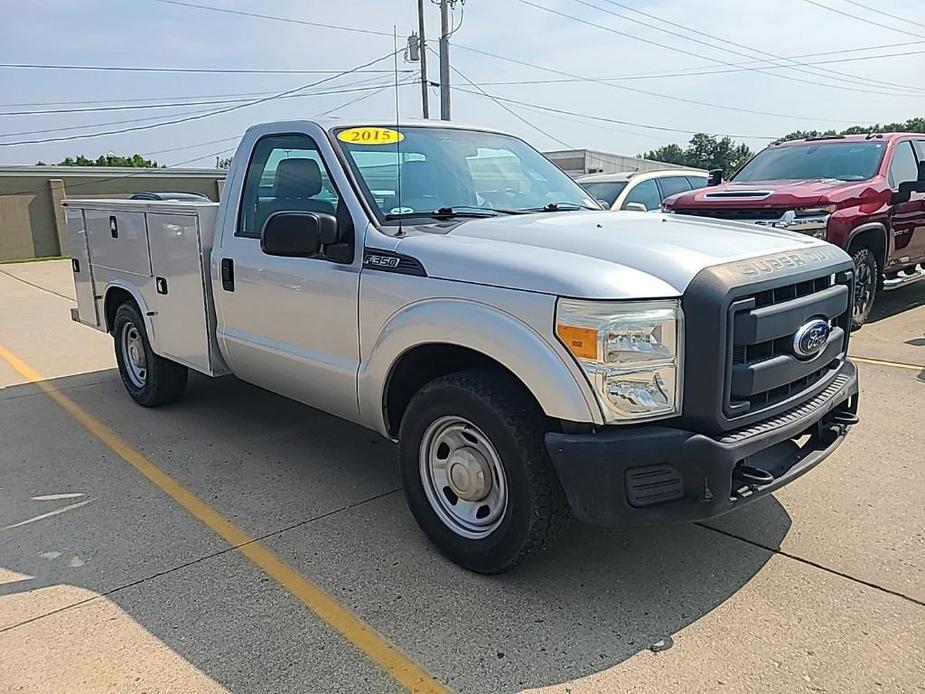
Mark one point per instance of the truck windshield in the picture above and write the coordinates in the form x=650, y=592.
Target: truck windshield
x=844, y=161
x=605, y=190
x=416, y=171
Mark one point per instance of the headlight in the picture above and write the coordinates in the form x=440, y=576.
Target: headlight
x=814, y=211
x=631, y=351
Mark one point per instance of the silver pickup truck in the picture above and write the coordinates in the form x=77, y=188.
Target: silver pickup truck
x=534, y=356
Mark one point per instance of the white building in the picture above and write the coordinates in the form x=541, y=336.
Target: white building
x=578, y=162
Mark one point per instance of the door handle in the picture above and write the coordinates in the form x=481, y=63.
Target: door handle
x=228, y=274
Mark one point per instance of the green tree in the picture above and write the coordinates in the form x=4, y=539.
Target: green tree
x=134, y=161
x=704, y=152
x=912, y=125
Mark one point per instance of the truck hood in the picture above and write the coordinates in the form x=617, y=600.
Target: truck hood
x=601, y=255
x=783, y=193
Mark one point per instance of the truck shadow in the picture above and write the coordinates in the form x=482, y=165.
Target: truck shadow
x=897, y=301
x=583, y=606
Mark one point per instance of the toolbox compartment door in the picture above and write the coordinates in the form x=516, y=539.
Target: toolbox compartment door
x=178, y=300
x=117, y=240
x=84, y=288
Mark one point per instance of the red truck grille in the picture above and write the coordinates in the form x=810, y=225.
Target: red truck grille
x=742, y=215
x=763, y=370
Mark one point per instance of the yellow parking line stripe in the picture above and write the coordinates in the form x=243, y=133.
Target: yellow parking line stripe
x=375, y=646
x=881, y=362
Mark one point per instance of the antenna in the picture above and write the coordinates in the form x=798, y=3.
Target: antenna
x=398, y=137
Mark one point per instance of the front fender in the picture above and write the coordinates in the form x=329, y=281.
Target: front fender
x=547, y=370
x=142, y=306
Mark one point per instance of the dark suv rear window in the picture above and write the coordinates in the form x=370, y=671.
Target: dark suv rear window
x=844, y=161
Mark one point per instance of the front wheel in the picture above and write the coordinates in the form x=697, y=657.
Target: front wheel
x=150, y=379
x=475, y=470
x=866, y=278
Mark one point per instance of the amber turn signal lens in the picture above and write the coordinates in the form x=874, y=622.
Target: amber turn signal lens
x=582, y=342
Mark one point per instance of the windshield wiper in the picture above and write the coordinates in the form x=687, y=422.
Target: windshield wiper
x=455, y=211
x=561, y=207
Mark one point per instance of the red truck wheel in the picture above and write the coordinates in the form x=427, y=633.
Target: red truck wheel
x=867, y=272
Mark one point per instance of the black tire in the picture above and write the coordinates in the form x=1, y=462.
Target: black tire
x=866, y=282
x=536, y=509
x=163, y=380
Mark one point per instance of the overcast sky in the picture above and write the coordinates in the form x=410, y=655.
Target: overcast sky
x=149, y=33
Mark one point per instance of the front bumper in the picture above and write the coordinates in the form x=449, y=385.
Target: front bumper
x=620, y=476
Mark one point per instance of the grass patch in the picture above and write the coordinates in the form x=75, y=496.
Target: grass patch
x=34, y=260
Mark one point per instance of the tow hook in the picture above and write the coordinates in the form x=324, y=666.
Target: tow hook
x=746, y=479
x=845, y=418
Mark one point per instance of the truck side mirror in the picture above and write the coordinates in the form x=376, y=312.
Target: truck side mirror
x=297, y=234
x=715, y=177
x=635, y=207
x=906, y=188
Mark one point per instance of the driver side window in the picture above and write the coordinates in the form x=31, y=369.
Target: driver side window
x=286, y=173
x=646, y=193
x=904, y=166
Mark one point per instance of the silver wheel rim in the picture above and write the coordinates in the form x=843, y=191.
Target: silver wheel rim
x=863, y=289
x=463, y=477
x=133, y=352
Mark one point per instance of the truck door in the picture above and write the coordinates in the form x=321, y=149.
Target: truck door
x=908, y=218
x=288, y=324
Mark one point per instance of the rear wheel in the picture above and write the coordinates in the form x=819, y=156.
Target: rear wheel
x=475, y=471
x=866, y=279
x=150, y=379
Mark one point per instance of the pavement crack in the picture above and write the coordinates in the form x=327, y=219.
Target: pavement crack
x=37, y=286
x=198, y=560
x=7, y=398
x=816, y=565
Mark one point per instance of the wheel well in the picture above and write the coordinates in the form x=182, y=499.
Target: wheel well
x=422, y=364
x=875, y=240
x=115, y=297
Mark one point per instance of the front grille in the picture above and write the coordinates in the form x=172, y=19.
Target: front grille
x=742, y=215
x=796, y=414
x=763, y=371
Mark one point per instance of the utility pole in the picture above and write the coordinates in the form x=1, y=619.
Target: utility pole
x=425, y=106
x=445, y=59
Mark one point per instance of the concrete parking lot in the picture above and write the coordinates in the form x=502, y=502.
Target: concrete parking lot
x=117, y=573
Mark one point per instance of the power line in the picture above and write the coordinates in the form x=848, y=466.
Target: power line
x=686, y=72
x=508, y=109
x=645, y=91
x=885, y=13
x=192, y=70
x=693, y=54
x=198, y=144
x=413, y=80
x=200, y=116
x=373, y=89
x=177, y=104
x=288, y=20
x=193, y=146
x=689, y=73
x=843, y=76
x=98, y=125
x=607, y=127
x=609, y=120
x=862, y=19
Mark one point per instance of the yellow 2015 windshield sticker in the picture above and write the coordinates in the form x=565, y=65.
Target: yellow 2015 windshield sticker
x=370, y=136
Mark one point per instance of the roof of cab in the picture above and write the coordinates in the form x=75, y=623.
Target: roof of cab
x=331, y=123
x=866, y=137
x=627, y=175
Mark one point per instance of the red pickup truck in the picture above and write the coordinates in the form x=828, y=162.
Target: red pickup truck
x=863, y=193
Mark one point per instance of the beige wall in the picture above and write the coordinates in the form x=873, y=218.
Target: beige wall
x=31, y=219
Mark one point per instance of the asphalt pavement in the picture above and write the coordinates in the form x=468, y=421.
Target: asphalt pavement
x=237, y=541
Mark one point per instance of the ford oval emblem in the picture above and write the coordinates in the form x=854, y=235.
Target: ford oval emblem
x=810, y=338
